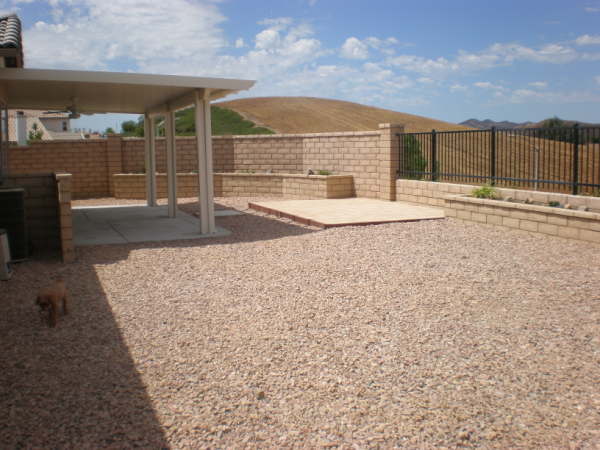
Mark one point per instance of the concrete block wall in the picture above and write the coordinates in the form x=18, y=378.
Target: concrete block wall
x=349, y=153
x=86, y=160
x=132, y=186
x=434, y=194
x=65, y=222
x=567, y=223
x=370, y=157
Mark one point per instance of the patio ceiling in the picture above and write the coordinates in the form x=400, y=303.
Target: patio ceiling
x=108, y=92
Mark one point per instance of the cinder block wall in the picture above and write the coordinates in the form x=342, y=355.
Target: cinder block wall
x=368, y=156
x=298, y=186
x=86, y=160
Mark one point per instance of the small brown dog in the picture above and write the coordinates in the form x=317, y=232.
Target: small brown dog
x=49, y=299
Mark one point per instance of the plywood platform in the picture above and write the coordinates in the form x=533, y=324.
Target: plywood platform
x=347, y=211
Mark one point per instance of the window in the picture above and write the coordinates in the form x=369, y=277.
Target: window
x=65, y=128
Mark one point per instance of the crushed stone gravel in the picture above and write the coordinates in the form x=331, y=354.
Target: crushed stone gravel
x=433, y=333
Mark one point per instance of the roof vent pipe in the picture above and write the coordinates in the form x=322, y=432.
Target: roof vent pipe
x=21, y=123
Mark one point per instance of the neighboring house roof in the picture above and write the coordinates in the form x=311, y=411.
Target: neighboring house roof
x=39, y=114
x=11, y=45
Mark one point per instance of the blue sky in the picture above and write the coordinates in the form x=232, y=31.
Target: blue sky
x=520, y=60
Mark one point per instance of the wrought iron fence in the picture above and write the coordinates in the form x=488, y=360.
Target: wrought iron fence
x=565, y=159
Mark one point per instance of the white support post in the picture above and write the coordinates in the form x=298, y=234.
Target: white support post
x=205, y=163
x=171, y=163
x=150, y=141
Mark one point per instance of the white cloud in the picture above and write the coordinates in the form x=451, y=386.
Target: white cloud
x=239, y=43
x=354, y=48
x=591, y=9
x=539, y=84
x=268, y=39
x=99, y=31
x=458, y=88
x=588, y=39
x=495, y=55
x=425, y=80
x=530, y=96
x=488, y=85
x=597, y=78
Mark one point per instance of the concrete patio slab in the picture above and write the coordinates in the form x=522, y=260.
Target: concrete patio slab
x=347, y=211
x=124, y=224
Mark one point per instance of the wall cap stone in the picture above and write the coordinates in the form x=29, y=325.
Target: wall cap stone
x=269, y=175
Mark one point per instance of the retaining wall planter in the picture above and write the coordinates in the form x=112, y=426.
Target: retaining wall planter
x=567, y=223
x=133, y=186
x=455, y=199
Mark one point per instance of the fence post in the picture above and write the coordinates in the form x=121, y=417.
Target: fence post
x=493, y=156
x=434, y=174
x=575, y=159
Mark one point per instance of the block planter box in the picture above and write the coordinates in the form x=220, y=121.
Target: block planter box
x=133, y=186
x=567, y=223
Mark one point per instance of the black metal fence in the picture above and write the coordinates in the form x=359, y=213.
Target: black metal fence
x=545, y=159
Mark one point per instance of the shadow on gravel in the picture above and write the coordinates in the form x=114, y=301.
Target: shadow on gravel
x=73, y=386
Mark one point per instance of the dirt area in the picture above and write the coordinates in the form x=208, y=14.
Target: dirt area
x=433, y=333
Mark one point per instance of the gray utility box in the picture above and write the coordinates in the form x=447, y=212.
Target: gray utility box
x=5, y=258
x=12, y=219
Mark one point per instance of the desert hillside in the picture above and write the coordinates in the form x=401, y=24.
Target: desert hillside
x=316, y=115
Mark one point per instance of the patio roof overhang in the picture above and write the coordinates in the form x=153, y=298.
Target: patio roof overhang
x=150, y=95
x=109, y=92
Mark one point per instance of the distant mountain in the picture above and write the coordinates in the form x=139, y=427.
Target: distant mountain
x=487, y=124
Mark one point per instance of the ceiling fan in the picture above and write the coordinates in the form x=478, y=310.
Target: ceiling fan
x=71, y=109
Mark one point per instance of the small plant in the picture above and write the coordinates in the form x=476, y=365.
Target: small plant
x=323, y=172
x=554, y=204
x=485, y=191
x=35, y=134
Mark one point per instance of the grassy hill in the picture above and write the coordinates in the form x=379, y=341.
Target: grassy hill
x=317, y=115
x=224, y=121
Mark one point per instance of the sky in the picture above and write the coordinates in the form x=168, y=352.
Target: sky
x=523, y=60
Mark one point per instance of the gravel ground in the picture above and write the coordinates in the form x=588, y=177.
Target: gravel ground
x=433, y=333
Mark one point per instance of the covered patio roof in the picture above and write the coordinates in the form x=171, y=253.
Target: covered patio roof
x=150, y=95
x=114, y=92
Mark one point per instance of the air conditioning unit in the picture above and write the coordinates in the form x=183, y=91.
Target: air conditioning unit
x=12, y=219
x=5, y=258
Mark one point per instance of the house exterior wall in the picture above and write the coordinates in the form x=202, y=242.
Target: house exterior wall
x=44, y=124
x=55, y=123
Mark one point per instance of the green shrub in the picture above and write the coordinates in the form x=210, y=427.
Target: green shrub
x=485, y=191
x=412, y=158
x=554, y=204
x=323, y=172
x=34, y=134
